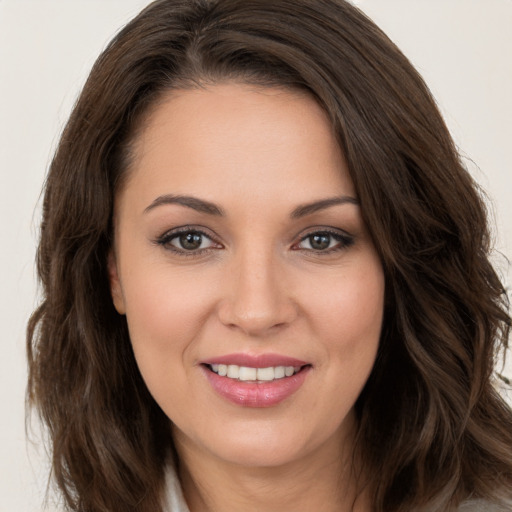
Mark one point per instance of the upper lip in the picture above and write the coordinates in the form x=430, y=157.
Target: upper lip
x=256, y=361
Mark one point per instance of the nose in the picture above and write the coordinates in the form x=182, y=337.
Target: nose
x=257, y=299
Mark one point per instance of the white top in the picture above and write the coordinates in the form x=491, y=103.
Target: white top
x=175, y=502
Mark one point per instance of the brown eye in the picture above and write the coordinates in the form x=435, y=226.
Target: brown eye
x=325, y=241
x=189, y=241
x=320, y=242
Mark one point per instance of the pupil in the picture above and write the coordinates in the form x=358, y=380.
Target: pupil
x=320, y=242
x=190, y=241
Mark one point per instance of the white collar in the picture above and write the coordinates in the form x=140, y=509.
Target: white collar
x=174, y=500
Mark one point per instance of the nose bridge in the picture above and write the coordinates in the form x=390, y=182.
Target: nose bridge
x=258, y=298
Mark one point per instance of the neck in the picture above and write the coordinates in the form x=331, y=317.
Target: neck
x=323, y=479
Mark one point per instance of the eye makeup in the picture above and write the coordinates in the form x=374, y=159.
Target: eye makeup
x=195, y=241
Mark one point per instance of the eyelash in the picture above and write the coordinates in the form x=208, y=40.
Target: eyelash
x=344, y=241
x=166, y=239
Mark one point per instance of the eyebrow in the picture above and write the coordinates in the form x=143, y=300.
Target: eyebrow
x=194, y=203
x=210, y=208
x=322, y=204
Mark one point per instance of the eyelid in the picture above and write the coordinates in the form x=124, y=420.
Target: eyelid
x=345, y=239
x=165, y=238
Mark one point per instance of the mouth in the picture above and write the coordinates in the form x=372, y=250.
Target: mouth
x=261, y=381
x=253, y=374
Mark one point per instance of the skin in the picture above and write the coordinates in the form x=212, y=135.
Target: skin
x=256, y=285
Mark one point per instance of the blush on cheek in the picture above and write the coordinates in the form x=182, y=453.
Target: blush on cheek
x=166, y=312
x=354, y=307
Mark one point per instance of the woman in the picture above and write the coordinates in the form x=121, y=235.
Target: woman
x=266, y=276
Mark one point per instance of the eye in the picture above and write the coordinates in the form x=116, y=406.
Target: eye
x=191, y=241
x=325, y=241
x=187, y=241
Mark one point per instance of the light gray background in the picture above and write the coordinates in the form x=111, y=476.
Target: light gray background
x=463, y=48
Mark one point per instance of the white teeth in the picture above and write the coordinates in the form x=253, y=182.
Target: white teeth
x=266, y=373
x=246, y=373
x=279, y=372
x=233, y=371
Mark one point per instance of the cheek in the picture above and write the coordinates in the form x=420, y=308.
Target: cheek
x=347, y=316
x=165, y=311
x=350, y=305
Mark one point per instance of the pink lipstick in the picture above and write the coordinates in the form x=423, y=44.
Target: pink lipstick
x=255, y=381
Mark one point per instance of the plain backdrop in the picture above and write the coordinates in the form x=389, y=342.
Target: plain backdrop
x=463, y=48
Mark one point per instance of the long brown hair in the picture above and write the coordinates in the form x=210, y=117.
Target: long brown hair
x=432, y=429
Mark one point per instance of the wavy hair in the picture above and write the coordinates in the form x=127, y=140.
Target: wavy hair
x=432, y=430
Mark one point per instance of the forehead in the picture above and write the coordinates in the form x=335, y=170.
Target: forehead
x=233, y=138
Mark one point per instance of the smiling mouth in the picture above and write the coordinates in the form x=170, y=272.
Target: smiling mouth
x=251, y=374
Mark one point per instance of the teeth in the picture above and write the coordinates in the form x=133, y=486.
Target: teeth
x=266, y=373
x=246, y=373
x=280, y=372
x=233, y=371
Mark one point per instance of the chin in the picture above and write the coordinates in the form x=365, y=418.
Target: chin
x=259, y=455
x=265, y=445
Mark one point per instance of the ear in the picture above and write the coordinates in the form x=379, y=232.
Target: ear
x=115, y=284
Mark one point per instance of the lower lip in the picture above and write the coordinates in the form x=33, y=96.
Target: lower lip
x=256, y=394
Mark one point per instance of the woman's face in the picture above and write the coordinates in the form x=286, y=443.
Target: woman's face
x=240, y=248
